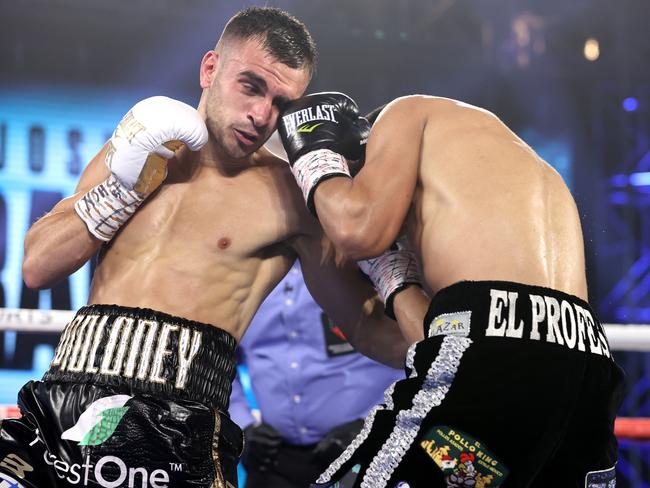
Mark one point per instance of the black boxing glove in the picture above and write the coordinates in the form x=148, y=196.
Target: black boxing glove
x=318, y=132
x=328, y=120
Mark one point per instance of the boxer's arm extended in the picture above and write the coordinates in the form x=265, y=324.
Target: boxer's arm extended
x=363, y=215
x=59, y=243
x=352, y=303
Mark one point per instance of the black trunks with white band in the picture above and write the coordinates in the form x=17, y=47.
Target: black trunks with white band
x=133, y=398
x=513, y=386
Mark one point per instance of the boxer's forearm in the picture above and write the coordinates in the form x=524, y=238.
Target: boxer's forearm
x=354, y=218
x=57, y=245
x=410, y=306
x=382, y=340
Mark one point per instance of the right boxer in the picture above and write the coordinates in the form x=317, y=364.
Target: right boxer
x=514, y=384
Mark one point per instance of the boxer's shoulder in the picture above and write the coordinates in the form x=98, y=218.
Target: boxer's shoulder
x=278, y=176
x=437, y=109
x=419, y=104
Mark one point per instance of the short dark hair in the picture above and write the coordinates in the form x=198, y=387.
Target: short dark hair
x=282, y=35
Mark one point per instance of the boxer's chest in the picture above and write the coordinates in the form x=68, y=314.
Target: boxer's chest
x=221, y=218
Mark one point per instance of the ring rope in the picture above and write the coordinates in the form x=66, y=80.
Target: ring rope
x=622, y=337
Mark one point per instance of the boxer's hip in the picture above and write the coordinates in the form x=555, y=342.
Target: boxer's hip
x=512, y=368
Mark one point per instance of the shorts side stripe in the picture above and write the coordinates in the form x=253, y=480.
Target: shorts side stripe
x=436, y=384
x=367, y=424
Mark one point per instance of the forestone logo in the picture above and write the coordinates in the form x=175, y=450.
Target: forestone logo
x=98, y=422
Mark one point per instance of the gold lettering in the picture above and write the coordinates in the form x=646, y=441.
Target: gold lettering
x=161, y=352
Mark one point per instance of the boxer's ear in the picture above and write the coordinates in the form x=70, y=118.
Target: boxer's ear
x=208, y=68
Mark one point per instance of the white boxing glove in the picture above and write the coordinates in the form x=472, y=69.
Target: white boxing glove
x=141, y=136
x=391, y=272
x=144, y=140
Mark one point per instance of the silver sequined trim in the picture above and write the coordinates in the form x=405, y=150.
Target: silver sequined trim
x=388, y=396
x=447, y=360
x=410, y=358
x=363, y=435
x=434, y=389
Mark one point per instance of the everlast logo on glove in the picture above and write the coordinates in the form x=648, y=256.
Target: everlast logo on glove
x=319, y=132
x=327, y=120
x=302, y=117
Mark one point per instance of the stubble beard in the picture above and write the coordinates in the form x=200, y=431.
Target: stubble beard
x=225, y=141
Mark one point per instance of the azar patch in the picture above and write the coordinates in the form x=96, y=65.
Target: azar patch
x=605, y=478
x=463, y=460
x=456, y=324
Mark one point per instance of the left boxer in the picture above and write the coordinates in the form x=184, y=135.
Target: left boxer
x=134, y=396
x=128, y=376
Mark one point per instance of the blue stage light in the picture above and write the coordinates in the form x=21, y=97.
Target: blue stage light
x=640, y=179
x=630, y=104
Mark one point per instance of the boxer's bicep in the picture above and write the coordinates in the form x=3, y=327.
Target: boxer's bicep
x=364, y=216
x=57, y=244
x=392, y=160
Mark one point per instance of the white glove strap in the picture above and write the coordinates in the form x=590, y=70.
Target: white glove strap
x=315, y=166
x=390, y=272
x=107, y=206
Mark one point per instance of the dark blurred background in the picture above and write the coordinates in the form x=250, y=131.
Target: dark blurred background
x=571, y=77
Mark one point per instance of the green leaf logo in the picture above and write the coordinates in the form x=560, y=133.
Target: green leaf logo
x=98, y=422
x=105, y=427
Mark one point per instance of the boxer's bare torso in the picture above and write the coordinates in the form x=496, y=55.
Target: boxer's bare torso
x=476, y=202
x=213, y=241
x=209, y=245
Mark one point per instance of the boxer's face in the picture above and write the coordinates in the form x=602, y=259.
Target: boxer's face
x=246, y=90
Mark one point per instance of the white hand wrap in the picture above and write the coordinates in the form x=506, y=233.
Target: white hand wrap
x=137, y=155
x=391, y=272
x=107, y=206
x=314, y=167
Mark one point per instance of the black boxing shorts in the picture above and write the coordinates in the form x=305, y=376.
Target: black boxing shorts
x=513, y=386
x=133, y=398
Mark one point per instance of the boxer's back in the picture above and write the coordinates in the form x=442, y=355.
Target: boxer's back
x=486, y=207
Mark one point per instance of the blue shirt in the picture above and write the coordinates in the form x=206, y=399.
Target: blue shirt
x=306, y=379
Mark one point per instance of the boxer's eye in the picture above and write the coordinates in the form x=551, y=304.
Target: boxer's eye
x=250, y=88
